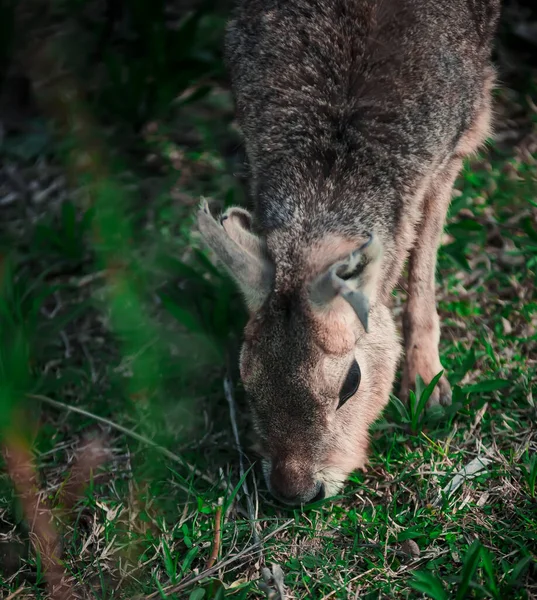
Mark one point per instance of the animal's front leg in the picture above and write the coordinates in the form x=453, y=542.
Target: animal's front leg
x=420, y=321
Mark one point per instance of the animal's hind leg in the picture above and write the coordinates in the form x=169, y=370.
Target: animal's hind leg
x=421, y=324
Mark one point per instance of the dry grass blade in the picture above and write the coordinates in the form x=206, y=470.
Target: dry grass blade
x=230, y=397
x=15, y=593
x=140, y=438
x=44, y=537
x=273, y=582
x=255, y=547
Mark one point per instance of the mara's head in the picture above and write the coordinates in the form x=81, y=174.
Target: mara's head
x=314, y=377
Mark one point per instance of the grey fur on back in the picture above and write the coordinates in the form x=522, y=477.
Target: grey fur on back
x=345, y=104
x=356, y=116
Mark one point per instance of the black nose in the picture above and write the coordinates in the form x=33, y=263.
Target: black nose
x=293, y=482
x=316, y=494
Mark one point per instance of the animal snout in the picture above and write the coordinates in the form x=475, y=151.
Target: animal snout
x=293, y=485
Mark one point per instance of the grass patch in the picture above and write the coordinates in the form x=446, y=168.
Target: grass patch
x=116, y=328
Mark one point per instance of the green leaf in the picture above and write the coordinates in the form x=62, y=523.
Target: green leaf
x=471, y=560
x=235, y=491
x=220, y=594
x=220, y=313
x=466, y=365
x=191, y=555
x=400, y=407
x=412, y=404
x=68, y=219
x=489, y=570
x=420, y=386
x=465, y=225
x=163, y=594
x=169, y=562
x=430, y=585
x=182, y=270
x=197, y=594
x=208, y=265
x=456, y=253
x=183, y=316
x=423, y=393
x=486, y=386
x=517, y=572
x=426, y=392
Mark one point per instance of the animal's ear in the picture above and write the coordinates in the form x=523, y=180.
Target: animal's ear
x=353, y=278
x=242, y=252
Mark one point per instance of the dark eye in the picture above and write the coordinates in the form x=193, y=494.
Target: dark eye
x=352, y=382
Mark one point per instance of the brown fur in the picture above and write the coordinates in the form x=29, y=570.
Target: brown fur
x=356, y=116
x=421, y=322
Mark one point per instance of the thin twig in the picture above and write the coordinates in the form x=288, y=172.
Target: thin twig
x=15, y=593
x=172, y=589
x=217, y=535
x=140, y=438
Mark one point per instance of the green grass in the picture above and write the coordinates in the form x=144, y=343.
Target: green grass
x=116, y=326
